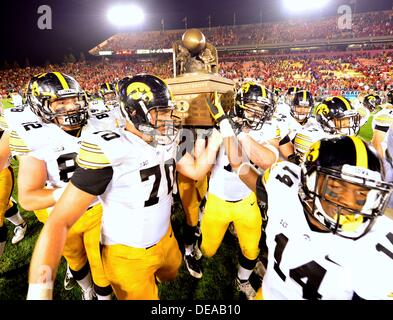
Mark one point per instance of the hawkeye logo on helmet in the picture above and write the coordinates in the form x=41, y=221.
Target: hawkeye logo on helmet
x=313, y=153
x=139, y=91
x=322, y=109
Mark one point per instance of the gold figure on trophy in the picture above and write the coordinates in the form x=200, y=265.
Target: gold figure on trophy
x=193, y=54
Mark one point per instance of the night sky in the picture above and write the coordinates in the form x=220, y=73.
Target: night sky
x=79, y=25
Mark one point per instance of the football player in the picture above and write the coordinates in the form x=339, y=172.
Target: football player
x=46, y=137
x=108, y=94
x=228, y=199
x=334, y=116
x=381, y=122
x=192, y=194
x=388, y=164
x=8, y=208
x=333, y=210
x=132, y=173
x=372, y=103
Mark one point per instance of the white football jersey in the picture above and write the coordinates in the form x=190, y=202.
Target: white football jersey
x=283, y=112
x=104, y=120
x=137, y=202
x=44, y=141
x=307, y=135
x=224, y=183
x=306, y=264
x=276, y=128
x=383, y=118
x=372, y=262
x=48, y=142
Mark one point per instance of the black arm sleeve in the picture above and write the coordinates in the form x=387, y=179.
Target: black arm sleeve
x=261, y=191
x=92, y=181
x=382, y=128
x=284, y=140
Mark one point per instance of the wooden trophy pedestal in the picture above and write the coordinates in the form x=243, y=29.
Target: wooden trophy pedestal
x=190, y=92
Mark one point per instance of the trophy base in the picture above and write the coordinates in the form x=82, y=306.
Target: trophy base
x=191, y=92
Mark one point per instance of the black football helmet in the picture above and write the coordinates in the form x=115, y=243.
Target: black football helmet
x=301, y=105
x=108, y=93
x=46, y=88
x=372, y=102
x=343, y=185
x=337, y=116
x=143, y=95
x=119, y=84
x=254, y=105
x=290, y=93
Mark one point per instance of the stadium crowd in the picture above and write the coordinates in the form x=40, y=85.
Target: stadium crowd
x=369, y=24
x=361, y=70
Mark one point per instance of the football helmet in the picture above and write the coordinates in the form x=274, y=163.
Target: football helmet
x=290, y=93
x=301, y=105
x=389, y=97
x=47, y=88
x=119, y=84
x=372, y=102
x=254, y=105
x=342, y=186
x=143, y=100
x=337, y=116
x=108, y=93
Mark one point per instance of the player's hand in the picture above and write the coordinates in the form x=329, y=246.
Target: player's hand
x=202, y=133
x=215, y=140
x=215, y=107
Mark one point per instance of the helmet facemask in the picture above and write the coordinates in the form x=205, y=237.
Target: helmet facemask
x=322, y=188
x=159, y=123
x=348, y=123
x=110, y=99
x=301, y=112
x=64, y=116
x=254, y=114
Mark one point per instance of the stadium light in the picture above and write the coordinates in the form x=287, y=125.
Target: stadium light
x=125, y=15
x=304, y=5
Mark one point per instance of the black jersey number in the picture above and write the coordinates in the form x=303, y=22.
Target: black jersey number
x=101, y=116
x=385, y=250
x=309, y=275
x=286, y=179
x=169, y=168
x=33, y=125
x=145, y=174
x=67, y=166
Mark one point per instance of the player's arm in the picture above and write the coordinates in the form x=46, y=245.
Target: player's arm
x=381, y=124
x=378, y=137
x=238, y=160
x=286, y=148
x=32, y=177
x=196, y=167
x=89, y=180
x=263, y=155
x=50, y=245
